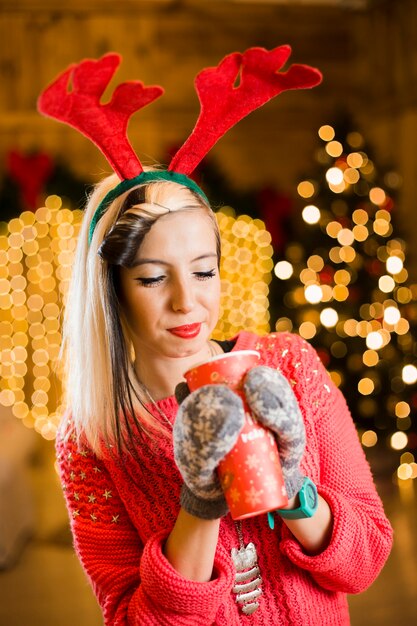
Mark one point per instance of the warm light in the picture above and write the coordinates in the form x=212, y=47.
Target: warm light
x=376, y=310
x=402, y=327
x=315, y=262
x=329, y=317
x=32, y=305
x=368, y=167
x=359, y=216
x=402, y=409
x=340, y=293
x=351, y=176
x=339, y=188
x=402, y=276
x=355, y=159
x=283, y=270
x=360, y=233
x=336, y=378
x=284, y=324
x=345, y=237
x=311, y=214
x=350, y=327
x=245, y=273
x=53, y=202
x=405, y=471
x=394, y=265
x=377, y=195
x=409, y=374
x=326, y=132
x=354, y=139
x=313, y=294
x=399, y=440
x=366, y=386
x=404, y=295
x=327, y=292
x=382, y=227
x=383, y=214
x=334, y=254
x=305, y=189
x=334, y=176
x=334, y=148
x=369, y=438
x=370, y=358
x=333, y=229
x=407, y=457
x=295, y=252
x=308, y=276
x=386, y=284
x=374, y=340
x=347, y=254
x=392, y=315
x=307, y=330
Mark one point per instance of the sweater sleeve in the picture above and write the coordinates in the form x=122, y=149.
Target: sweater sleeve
x=133, y=581
x=362, y=535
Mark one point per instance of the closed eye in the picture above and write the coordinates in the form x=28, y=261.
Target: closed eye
x=205, y=275
x=150, y=282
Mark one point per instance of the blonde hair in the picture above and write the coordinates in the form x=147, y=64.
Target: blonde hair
x=101, y=392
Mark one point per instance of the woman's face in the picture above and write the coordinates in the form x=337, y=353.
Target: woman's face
x=171, y=295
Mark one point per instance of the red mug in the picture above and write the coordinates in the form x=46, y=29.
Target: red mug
x=250, y=474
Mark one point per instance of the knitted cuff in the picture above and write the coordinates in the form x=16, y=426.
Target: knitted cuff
x=293, y=483
x=204, y=509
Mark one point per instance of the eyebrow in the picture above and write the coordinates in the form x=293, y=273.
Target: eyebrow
x=139, y=262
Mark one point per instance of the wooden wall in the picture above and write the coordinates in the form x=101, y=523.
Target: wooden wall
x=368, y=58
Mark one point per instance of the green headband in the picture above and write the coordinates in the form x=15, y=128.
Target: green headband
x=143, y=177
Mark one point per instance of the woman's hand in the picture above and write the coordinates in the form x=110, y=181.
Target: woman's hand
x=273, y=402
x=206, y=428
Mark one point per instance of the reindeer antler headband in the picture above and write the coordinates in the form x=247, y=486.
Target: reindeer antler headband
x=223, y=104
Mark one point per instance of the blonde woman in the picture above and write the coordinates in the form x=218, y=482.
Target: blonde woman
x=150, y=524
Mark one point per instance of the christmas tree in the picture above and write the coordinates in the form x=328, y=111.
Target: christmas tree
x=343, y=285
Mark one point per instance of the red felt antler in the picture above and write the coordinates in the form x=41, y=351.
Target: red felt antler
x=104, y=124
x=223, y=103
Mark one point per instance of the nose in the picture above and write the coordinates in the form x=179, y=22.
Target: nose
x=183, y=297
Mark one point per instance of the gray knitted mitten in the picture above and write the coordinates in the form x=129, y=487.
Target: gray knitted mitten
x=206, y=428
x=272, y=400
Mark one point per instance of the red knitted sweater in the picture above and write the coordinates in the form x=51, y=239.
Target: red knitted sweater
x=121, y=513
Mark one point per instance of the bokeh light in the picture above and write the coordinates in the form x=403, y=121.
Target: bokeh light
x=246, y=272
x=409, y=374
x=326, y=132
x=38, y=253
x=283, y=270
x=369, y=438
x=398, y=440
x=311, y=214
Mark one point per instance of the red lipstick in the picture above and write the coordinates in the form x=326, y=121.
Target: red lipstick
x=188, y=331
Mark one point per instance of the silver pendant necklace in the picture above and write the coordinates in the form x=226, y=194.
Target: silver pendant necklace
x=155, y=405
x=248, y=581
